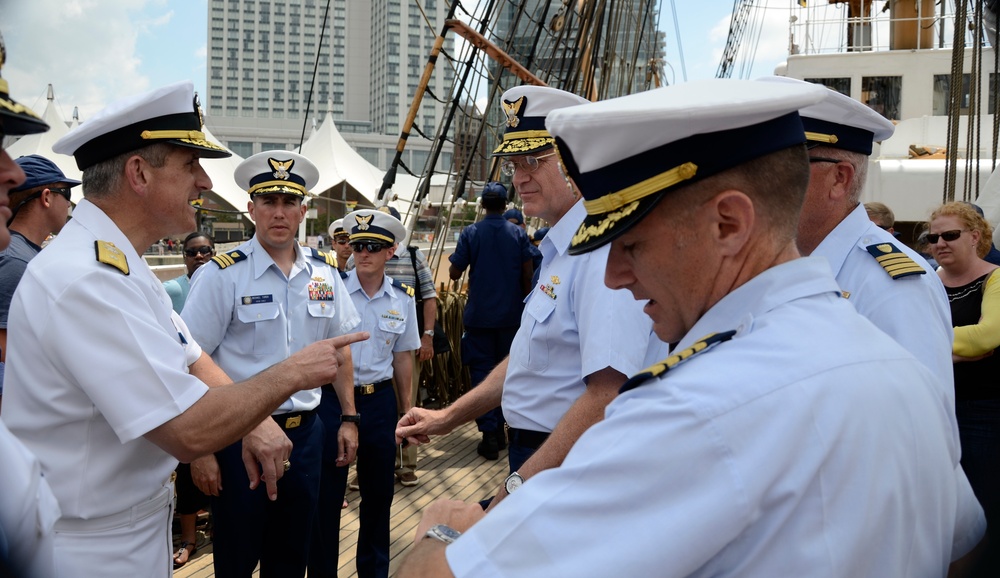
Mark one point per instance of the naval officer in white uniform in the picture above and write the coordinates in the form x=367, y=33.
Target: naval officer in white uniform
x=98, y=384
x=785, y=436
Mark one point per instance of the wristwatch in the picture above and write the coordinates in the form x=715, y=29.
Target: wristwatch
x=429, y=332
x=356, y=418
x=443, y=533
x=513, y=482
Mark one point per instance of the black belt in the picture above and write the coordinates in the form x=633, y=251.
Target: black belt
x=293, y=419
x=370, y=388
x=526, y=438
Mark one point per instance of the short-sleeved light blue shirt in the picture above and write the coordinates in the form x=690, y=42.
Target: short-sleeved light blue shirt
x=572, y=326
x=391, y=319
x=811, y=444
x=249, y=316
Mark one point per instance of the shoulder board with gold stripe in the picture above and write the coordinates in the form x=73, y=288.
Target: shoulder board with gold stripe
x=669, y=363
x=409, y=290
x=895, y=262
x=328, y=258
x=224, y=260
x=108, y=254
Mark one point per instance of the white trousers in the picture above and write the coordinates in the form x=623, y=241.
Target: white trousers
x=129, y=544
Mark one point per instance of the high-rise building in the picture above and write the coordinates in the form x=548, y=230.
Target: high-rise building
x=262, y=89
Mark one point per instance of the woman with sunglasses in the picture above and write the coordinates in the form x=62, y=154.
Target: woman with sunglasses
x=959, y=238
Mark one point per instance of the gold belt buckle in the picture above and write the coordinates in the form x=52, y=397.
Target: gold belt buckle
x=367, y=389
x=293, y=422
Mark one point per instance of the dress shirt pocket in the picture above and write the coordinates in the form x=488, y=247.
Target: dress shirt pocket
x=539, y=308
x=390, y=327
x=262, y=319
x=320, y=316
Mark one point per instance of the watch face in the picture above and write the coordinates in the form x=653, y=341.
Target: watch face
x=513, y=482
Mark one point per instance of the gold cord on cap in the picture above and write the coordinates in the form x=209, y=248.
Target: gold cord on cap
x=614, y=201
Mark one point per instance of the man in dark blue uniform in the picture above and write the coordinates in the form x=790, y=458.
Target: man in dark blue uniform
x=500, y=258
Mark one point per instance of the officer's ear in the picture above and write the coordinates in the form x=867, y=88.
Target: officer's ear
x=392, y=250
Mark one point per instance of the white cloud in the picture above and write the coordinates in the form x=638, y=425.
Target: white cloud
x=86, y=49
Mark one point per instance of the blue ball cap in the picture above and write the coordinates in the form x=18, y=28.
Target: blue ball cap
x=41, y=171
x=515, y=215
x=540, y=234
x=494, y=189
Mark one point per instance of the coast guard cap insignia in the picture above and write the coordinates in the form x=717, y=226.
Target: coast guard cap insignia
x=363, y=221
x=281, y=168
x=511, y=109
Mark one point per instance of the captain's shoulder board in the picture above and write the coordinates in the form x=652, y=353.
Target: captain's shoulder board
x=108, y=254
x=895, y=262
x=657, y=370
x=328, y=258
x=224, y=260
x=404, y=287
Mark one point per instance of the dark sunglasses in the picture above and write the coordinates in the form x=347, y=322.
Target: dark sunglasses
x=199, y=251
x=823, y=160
x=947, y=236
x=373, y=248
x=64, y=191
x=342, y=240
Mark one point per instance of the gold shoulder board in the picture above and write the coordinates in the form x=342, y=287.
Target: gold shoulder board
x=895, y=262
x=224, y=260
x=108, y=254
x=669, y=363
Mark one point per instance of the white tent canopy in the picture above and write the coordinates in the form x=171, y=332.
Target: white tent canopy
x=339, y=163
x=41, y=143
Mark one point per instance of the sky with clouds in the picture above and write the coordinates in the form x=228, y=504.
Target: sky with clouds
x=93, y=51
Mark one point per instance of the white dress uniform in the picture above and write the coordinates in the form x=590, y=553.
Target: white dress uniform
x=772, y=458
x=97, y=364
x=246, y=317
x=572, y=326
x=28, y=510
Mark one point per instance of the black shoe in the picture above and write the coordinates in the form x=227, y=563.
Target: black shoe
x=501, y=439
x=488, y=447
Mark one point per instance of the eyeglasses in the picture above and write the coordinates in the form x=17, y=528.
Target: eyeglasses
x=527, y=164
x=824, y=160
x=342, y=240
x=64, y=191
x=373, y=248
x=932, y=238
x=199, y=251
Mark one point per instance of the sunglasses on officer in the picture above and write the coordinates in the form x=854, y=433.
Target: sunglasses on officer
x=64, y=191
x=373, y=248
x=195, y=251
x=343, y=240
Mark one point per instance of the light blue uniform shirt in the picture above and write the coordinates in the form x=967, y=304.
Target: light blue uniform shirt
x=572, y=326
x=390, y=317
x=811, y=444
x=249, y=316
